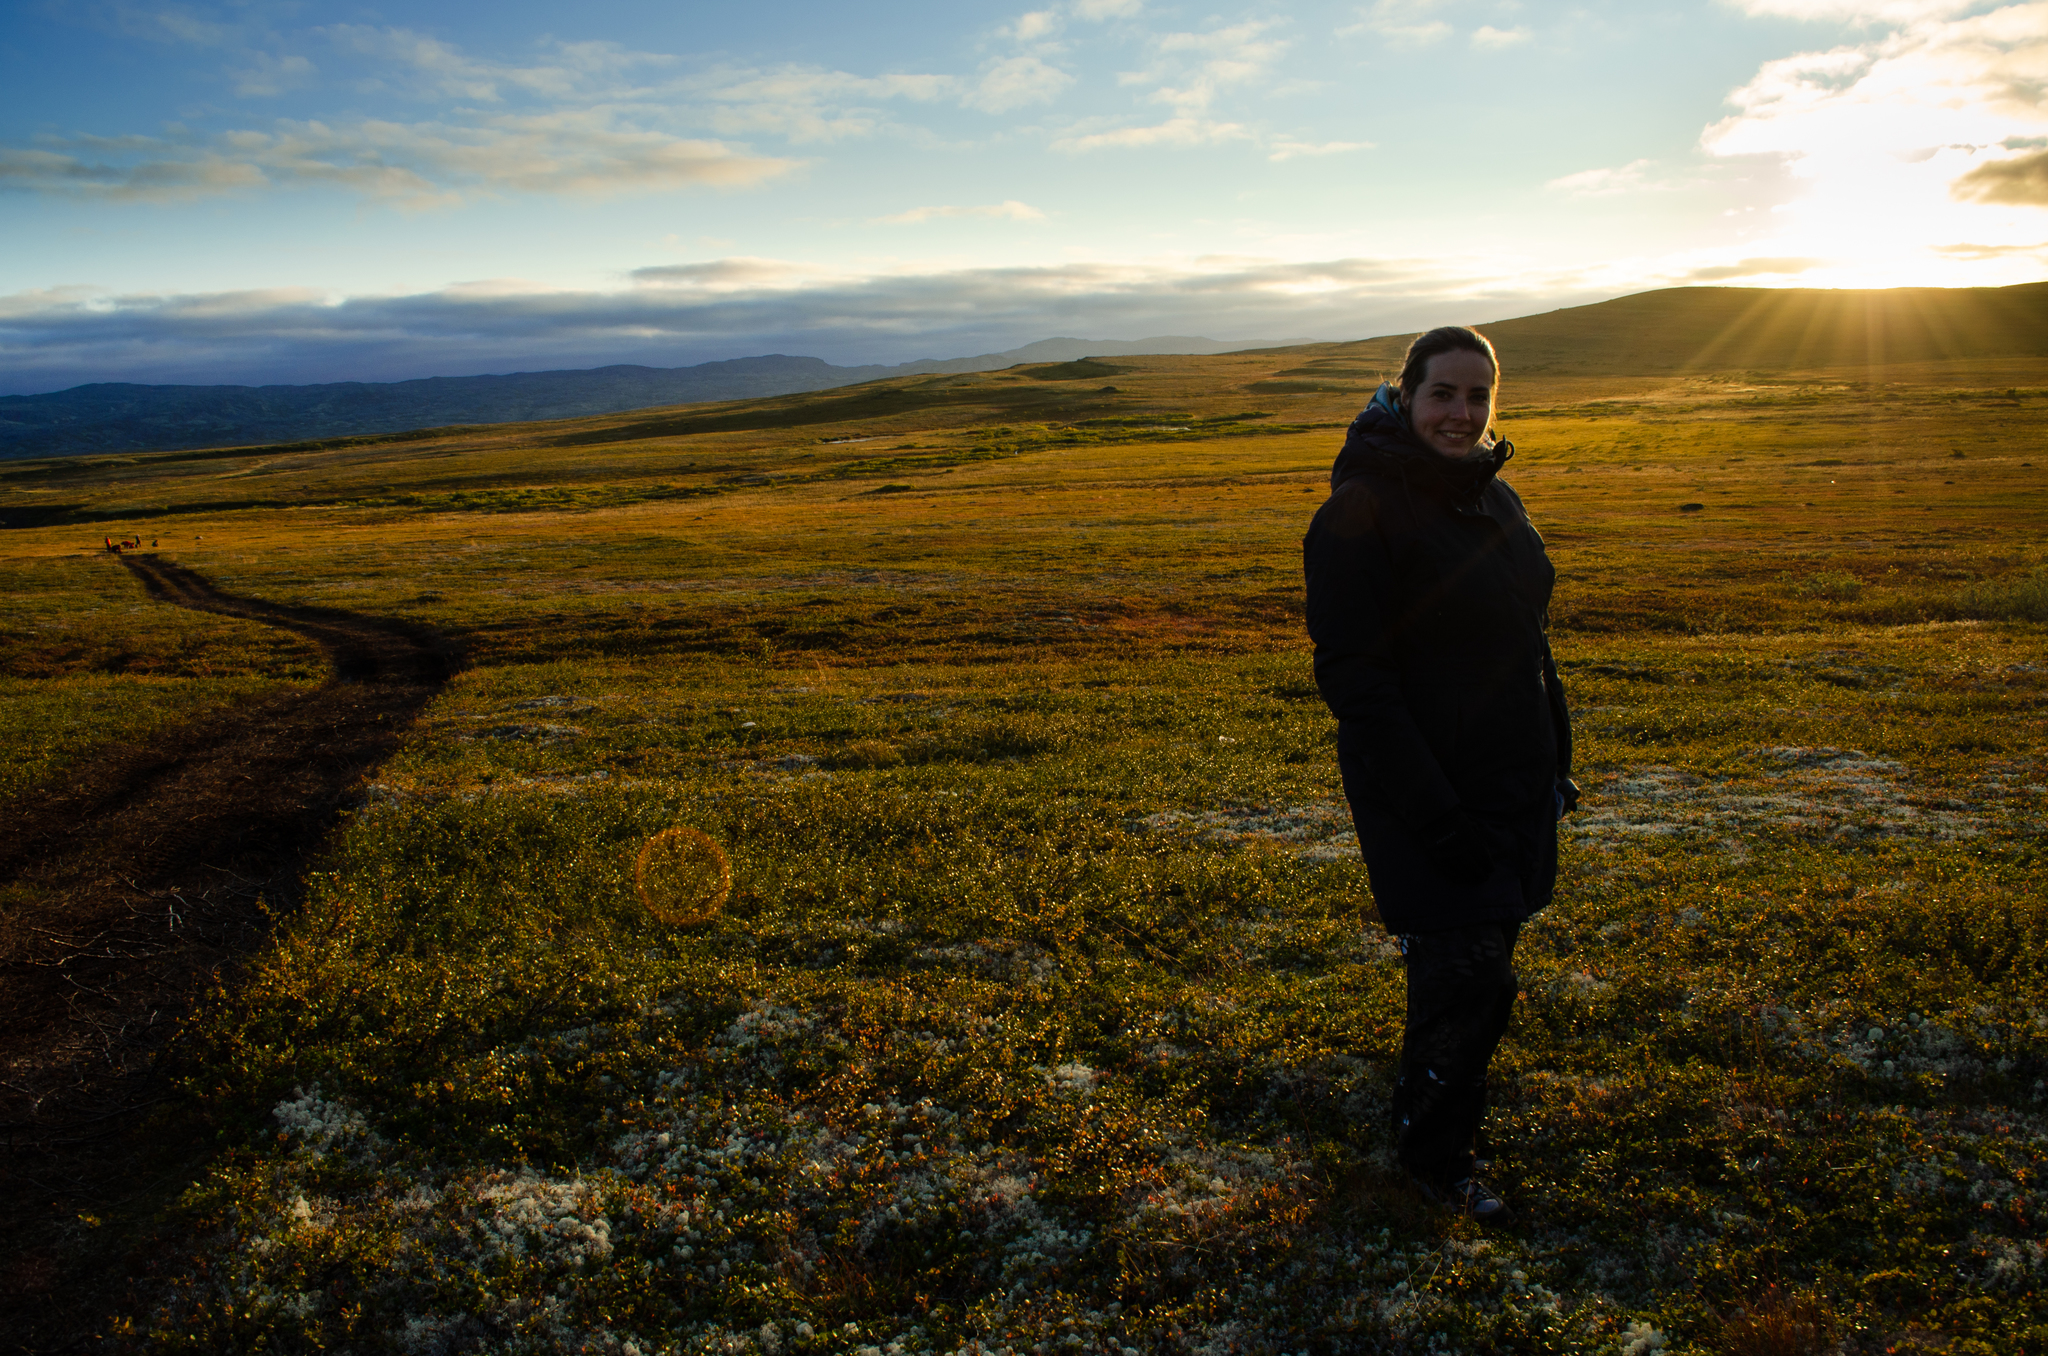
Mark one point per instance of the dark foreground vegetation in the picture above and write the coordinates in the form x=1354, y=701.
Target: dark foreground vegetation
x=1047, y=1012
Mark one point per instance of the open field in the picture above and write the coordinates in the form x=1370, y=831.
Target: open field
x=1047, y=1013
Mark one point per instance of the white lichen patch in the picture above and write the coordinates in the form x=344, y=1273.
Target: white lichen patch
x=995, y=958
x=1811, y=791
x=1071, y=1077
x=530, y=1215
x=1319, y=831
x=319, y=1125
x=1199, y=1180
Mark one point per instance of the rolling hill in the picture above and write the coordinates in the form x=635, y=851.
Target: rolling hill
x=1724, y=329
x=1734, y=329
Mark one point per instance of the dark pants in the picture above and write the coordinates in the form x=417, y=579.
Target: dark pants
x=1461, y=988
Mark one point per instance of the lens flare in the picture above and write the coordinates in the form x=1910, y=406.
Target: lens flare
x=683, y=877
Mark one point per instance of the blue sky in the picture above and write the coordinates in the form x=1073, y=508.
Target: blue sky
x=251, y=192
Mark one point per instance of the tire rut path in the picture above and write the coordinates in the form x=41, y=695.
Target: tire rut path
x=129, y=884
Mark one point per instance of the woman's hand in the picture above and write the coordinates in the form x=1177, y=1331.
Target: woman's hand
x=1567, y=796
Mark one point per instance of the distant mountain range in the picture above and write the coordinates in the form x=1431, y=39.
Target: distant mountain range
x=1673, y=330
x=123, y=417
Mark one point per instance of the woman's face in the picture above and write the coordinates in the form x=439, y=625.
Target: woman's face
x=1450, y=408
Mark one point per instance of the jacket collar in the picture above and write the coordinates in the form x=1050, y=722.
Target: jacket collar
x=1381, y=438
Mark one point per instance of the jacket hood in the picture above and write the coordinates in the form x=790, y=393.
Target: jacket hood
x=1382, y=438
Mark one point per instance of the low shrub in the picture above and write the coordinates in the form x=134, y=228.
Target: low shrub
x=2013, y=597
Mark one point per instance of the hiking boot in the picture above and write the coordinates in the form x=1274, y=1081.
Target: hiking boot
x=1472, y=1197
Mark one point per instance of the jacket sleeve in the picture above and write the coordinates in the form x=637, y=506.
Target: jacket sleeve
x=1349, y=576
x=1560, y=713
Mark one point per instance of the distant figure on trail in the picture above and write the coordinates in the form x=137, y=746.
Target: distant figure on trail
x=1428, y=602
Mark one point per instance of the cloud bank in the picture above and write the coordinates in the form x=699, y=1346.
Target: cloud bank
x=680, y=314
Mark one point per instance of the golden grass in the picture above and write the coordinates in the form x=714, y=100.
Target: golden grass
x=997, y=760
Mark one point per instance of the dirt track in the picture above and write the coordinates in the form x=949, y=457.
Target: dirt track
x=127, y=884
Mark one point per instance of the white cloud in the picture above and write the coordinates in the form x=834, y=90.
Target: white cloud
x=1415, y=35
x=439, y=66
x=1181, y=131
x=1188, y=71
x=1856, y=11
x=266, y=75
x=583, y=154
x=46, y=300
x=808, y=104
x=1751, y=268
x=1036, y=26
x=804, y=104
x=740, y=274
x=1010, y=210
x=569, y=71
x=2019, y=179
x=1015, y=82
x=1232, y=55
x=1491, y=39
x=1096, y=11
x=1399, y=23
x=1600, y=183
x=1287, y=148
x=172, y=23
x=1042, y=25
x=2037, y=251
x=176, y=174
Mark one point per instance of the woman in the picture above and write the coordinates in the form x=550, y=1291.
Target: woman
x=1428, y=593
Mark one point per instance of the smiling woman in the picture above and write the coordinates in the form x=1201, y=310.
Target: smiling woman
x=1451, y=408
x=1428, y=601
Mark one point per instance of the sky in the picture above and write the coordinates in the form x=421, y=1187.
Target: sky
x=252, y=192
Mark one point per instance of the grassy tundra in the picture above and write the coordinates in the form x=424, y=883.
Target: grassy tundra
x=1047, y=1013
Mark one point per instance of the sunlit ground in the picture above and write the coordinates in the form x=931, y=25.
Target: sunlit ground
x=1046, y=1011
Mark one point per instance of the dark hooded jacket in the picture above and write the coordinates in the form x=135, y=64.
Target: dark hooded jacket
x=1428, y=595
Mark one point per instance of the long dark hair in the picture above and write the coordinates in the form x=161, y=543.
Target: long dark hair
x=1443, y=339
